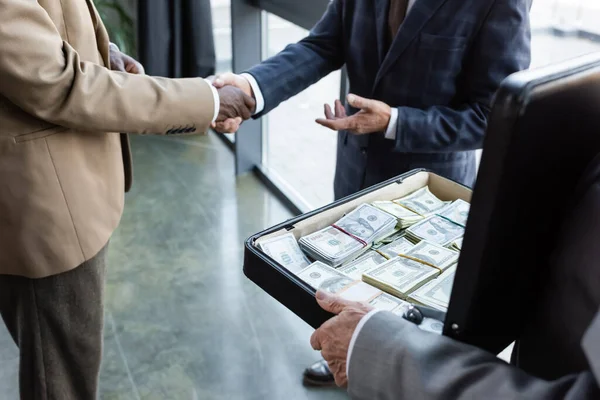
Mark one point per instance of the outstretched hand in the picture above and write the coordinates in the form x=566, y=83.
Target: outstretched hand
x=374, y=116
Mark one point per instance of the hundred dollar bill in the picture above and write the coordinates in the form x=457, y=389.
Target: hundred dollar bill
x=458, y=212
x=436, y=230
x=368, y=223
x=331, y=246
x=405, y=217
x=358, y=267
x=422, y=202
x=401, y=309
x=434, y=254
x=389, y=239
x=285, y=250
x=385, y=302
x=323, y=277
x=400, y=246
x=400, y=276
x=436, y=294
x=432, y=325
x=360, y=291
x=457, y=244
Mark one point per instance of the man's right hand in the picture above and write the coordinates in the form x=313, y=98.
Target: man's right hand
x=230, y=79
x=236, y=106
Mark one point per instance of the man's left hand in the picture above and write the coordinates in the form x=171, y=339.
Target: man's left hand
x=124, y=63
x=374, y=116
x=334, y=336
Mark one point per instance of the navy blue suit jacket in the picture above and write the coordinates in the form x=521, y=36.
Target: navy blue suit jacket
x=441, y=72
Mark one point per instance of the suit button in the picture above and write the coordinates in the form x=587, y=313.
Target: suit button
x=364, y=152
x=188, y=130
x=170, y=131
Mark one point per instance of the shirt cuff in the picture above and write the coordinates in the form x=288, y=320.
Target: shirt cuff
x=216, y=98
x=359, y=327
x=390, y=133
x=258, y=96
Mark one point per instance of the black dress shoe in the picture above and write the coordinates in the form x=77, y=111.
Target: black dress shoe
x=318, y=374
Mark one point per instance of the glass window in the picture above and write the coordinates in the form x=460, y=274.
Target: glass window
x=296, y=149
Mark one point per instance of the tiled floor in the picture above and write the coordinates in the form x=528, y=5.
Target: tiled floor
x=182, y=321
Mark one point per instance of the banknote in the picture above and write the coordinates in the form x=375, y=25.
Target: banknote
x=436, y=230
x=330, y=245
x=457, y=244
x=401, y=309
x=458, y=212
x=360, y=291
x=367, y=223
x=358, y=267
x=285, y=250
x=385, y=302
x=432, y=325
x=433, y=254
x=400, y=276
x=422, y=202
x=436, y=293
x=323, y=277
x=404, y=216
x=400, y=246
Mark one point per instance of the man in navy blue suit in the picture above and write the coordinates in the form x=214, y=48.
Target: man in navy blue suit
x=422, y=77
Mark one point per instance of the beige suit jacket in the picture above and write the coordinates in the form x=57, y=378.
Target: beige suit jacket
x=63, y=167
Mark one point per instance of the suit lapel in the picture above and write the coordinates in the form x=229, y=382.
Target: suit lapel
x=381, y=20
x=421, y=12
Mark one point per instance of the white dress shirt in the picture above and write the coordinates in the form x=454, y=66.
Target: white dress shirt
x=390, y=132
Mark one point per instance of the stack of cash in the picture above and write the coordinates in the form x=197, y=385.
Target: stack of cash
x=436, y=293
x=404, y=216
x=285, y=250
x=401, y=309
x=422, y=202
x=457, y=212
x=389, y=239
x=435, y=229
x=323, y=277
x=400, y=276
x=457, y=244
x=433, y=255
x=350, y=236
x=358, y=267
x=365, y=293
x=394, y=249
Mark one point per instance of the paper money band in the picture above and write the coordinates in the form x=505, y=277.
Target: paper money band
x=449, y=220
x=408, y=208
x=413, y=259
x=420, y=261
x=359, y=240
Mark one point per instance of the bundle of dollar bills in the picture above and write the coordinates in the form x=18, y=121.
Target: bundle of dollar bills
x=323, y=277
x=400, y=276
x=350, y=236
x=433, y=255
x=394, y=249
x=285, y=250
x=457, y=244
x=457, y=211
x=436, y=293
x=358, y=267
x=404, y=216
x=435, y=229
x=365, y=293
x=422, y=202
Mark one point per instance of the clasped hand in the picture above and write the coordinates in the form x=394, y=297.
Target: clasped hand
x=237, y=102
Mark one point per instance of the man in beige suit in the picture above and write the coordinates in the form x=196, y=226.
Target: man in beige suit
x=63, y=173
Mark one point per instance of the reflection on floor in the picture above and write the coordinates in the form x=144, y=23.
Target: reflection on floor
x=182, y=321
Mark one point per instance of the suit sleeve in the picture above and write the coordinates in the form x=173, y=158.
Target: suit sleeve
x=502, y=47
x=393, y=359
x=304, y=63
x=45, y=76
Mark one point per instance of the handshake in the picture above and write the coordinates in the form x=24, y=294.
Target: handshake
x=237, y=102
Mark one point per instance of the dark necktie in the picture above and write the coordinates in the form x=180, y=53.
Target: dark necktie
x=396, y=16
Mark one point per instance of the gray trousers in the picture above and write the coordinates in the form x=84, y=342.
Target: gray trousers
x=57, y=324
